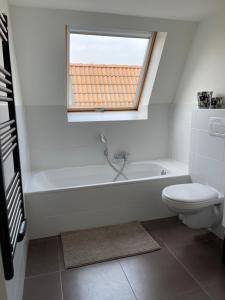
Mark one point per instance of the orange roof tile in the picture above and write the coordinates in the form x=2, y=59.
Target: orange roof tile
x=103, y=86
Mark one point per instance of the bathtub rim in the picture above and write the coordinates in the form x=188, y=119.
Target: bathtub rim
x=175, y=168
x=99, y=185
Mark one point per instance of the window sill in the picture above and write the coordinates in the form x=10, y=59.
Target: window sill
x=79, y=117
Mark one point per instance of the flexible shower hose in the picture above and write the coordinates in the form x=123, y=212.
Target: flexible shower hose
x=118, y=171
x=121, y=171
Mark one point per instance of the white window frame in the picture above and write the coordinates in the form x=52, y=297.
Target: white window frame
x=141, y=113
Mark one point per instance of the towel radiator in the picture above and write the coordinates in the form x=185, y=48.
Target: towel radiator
x=12, y=217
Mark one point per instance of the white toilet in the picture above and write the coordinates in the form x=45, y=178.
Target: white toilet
x=197, y=205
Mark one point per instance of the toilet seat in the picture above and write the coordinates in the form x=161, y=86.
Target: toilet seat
x=191, y=196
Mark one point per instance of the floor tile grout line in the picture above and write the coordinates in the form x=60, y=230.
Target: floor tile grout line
x=58, y=254
x=155, y=236
x=128, y=280
x=205, y=239
x=61, y=286
x=182, y=294
x=38, y=241
x=42, y=274
x=188, y=271
x=59, y=267
x=188, y=243
x=42, y=240
x=182, y=265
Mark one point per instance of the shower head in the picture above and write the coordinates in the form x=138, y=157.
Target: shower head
x=103, y=139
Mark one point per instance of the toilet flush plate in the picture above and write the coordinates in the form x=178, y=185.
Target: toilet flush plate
x=217, y=126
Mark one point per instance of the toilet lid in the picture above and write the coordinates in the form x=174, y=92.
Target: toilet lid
x=190, y=192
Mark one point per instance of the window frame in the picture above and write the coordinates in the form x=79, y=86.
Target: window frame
x=141, y=83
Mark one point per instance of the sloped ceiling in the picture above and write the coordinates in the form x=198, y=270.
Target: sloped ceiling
x=193, y=10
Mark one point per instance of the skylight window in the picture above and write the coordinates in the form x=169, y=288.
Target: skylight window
x=106, y=72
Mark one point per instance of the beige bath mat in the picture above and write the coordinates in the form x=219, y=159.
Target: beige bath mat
x=90, y=246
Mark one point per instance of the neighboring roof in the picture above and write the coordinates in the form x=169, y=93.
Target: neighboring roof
x=103, y=86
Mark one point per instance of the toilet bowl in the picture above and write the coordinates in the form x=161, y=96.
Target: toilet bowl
x=197, y=205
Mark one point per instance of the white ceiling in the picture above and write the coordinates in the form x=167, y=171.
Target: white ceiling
x=193, y=10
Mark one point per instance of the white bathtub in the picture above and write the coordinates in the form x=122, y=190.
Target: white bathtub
x=82, y=197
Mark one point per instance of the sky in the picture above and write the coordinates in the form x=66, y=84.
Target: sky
x=114, y=50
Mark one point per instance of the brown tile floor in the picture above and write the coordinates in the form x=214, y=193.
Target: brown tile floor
x=188, y=267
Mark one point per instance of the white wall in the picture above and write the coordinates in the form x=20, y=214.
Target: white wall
x=40, y=47
x=14, y=288
x=204, y=70
x=207, y=154
x=56, y=143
